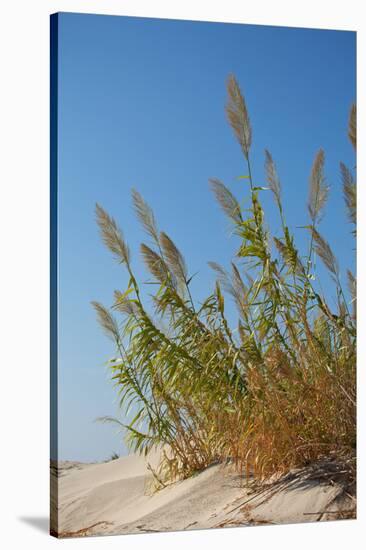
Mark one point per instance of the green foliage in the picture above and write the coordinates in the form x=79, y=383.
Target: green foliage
x=114, y=456
x=276, y=392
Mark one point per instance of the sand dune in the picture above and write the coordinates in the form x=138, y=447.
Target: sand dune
x=114, y=498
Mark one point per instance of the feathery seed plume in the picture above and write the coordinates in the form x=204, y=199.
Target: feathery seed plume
x=226, y=200
x=352, y=126
x=107, y=321
x=349, y=192
x=237, y=114
x=324, y=251
x=145, y=215
x=174, y=258
x=318, y=190
x=124, y=304
x=272, y=176
x=155, y=264
x=111, y=235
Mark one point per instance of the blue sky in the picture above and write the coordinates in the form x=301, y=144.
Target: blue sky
x=141, y=104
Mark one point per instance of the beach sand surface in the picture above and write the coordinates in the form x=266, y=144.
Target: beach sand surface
x=116, y=497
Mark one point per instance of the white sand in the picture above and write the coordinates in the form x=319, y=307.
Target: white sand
x=113, y=498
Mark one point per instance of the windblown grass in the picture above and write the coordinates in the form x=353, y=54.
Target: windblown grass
x=277, y=392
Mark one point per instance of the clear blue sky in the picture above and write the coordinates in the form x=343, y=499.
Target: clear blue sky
x=141, y=104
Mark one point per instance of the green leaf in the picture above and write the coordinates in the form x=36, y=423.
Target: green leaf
x=125, y=294
x=190, y=279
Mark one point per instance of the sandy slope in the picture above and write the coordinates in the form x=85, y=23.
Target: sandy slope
x=113, y=498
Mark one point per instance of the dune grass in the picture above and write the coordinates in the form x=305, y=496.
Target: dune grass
x=275, y=392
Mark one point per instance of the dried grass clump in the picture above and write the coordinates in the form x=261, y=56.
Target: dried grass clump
x=276, y=393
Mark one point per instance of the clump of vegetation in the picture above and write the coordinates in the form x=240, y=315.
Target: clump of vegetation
x=277, y=392
x=114, y=456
